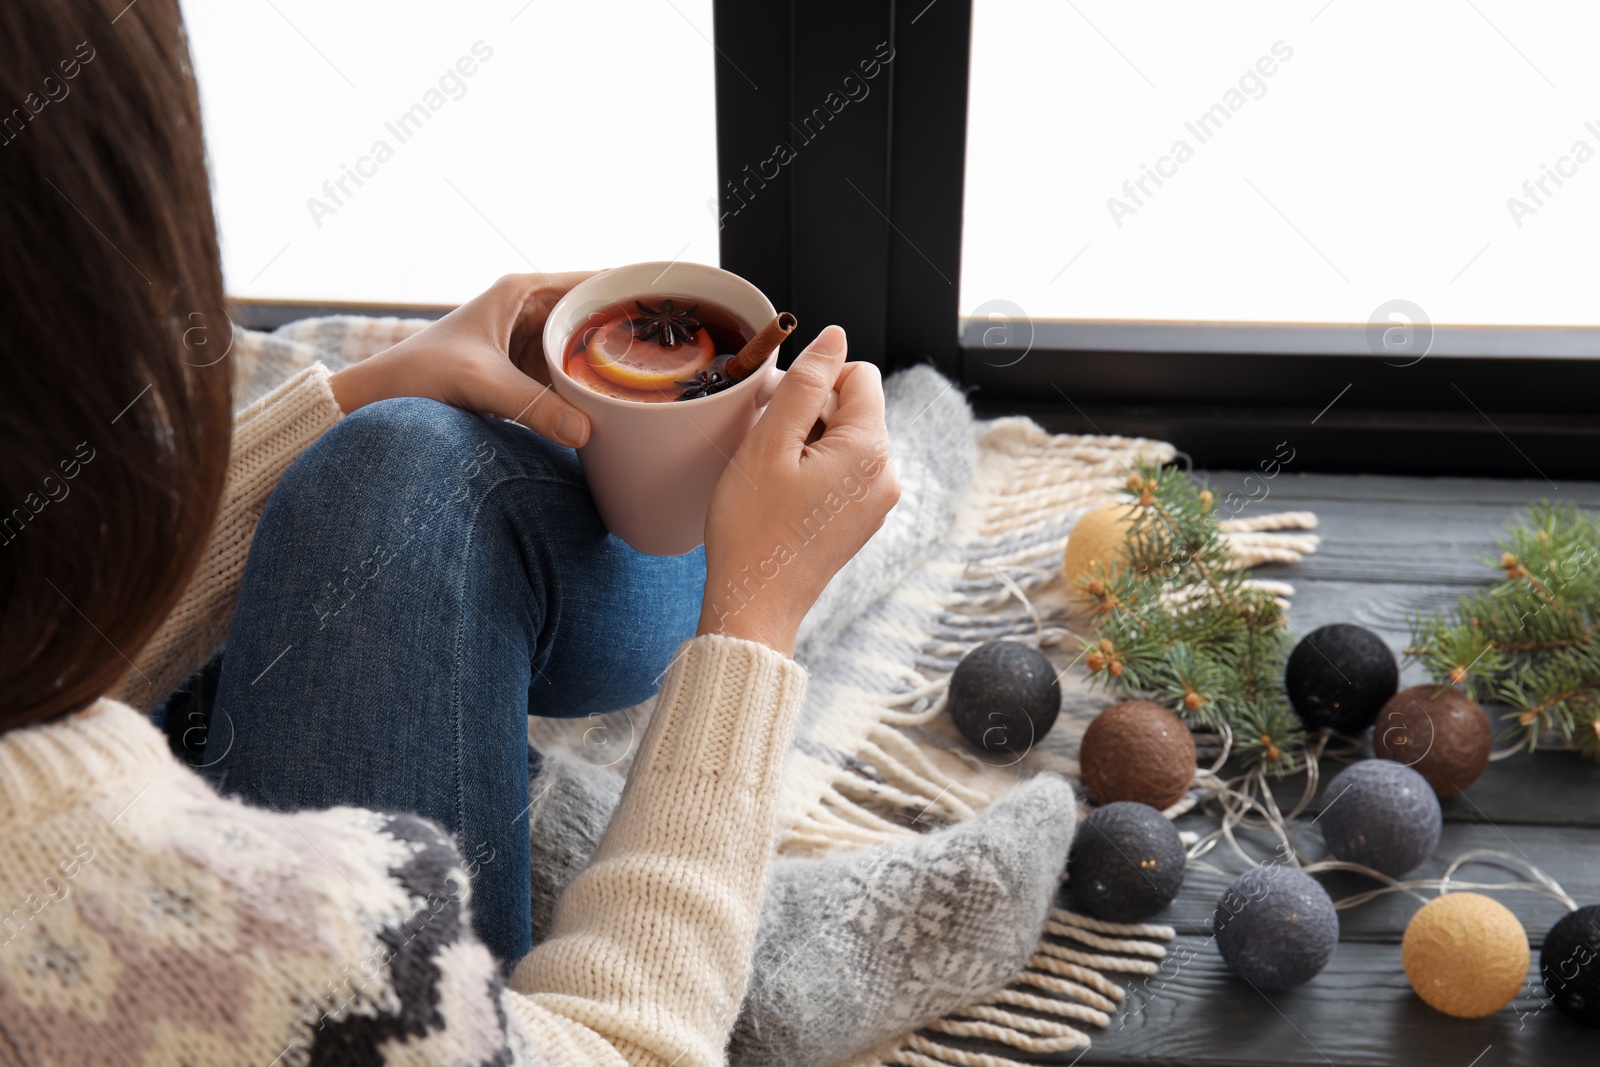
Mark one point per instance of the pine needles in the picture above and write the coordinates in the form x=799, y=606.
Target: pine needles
x=1175, y=621
x=1529, y=640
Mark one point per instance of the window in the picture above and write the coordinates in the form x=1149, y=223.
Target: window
x=407, y=152
x=1312, y=162
x=1357, y=226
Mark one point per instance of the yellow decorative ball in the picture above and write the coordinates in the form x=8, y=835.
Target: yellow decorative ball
x=1099, y=538
x=1465, y=954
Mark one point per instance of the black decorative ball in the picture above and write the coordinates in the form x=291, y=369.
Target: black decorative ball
x=1570, y=964
x=1382, y=815
x=1276, y=927
x=1126, y=862
x=1004, y=696
x=1339, y=676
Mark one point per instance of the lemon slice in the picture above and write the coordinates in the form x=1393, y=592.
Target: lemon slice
x=617, y=357
x=578, y=370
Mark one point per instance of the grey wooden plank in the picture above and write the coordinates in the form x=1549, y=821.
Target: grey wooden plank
x=1547, y=788
x=1551, y=787
x=1359, y=1012
x=1389, y=529
x=1570, y=856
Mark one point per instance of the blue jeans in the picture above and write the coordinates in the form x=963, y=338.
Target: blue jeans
x=423, y=579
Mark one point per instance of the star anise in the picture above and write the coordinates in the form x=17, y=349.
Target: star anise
x=669, y=326
x=704, y=383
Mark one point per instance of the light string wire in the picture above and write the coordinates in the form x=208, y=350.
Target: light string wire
x=1246, y=802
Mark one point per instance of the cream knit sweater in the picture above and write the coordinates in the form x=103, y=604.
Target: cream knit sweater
x=146, y=920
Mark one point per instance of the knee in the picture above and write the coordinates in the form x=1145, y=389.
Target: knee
x=420, y=438
x=383, y=452
x=424, y=430
x=403, y=442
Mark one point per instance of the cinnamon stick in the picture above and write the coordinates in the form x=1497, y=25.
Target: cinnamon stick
x=755, y=352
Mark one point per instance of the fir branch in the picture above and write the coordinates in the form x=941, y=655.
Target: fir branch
x=1531, y=640
x=1174, y=621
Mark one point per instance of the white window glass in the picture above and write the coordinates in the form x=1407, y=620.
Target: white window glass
x=1278, y=161
x=409, y=151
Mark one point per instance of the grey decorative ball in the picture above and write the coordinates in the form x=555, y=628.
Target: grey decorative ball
x=1126, y=862
x=1004, y=696
x=1276, y=927
x=1382, y=815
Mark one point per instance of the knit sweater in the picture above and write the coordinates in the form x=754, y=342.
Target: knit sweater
x=144, y=919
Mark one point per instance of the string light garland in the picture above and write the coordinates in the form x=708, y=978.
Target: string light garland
x=1461, y=973
x=1245, y=803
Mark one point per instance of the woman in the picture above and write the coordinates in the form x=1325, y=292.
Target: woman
x=146, y=919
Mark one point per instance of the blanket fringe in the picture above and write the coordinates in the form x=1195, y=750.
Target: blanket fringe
x=947, y=1056
x=1017, y=1038
x=1043, y=1008
x=896, y=744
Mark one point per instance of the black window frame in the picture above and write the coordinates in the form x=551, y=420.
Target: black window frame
x=888, y=270
x=860, y=224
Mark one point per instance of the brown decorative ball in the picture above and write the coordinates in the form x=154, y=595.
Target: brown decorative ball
x=1137, y=750
x=1099, y=538
x=1439, y=732
x=1465, y=954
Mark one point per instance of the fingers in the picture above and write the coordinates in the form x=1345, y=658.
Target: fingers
x=860, y=388
x=529, y=298
x=517, y=288
x=513, y=395
x=858, y=429
x=798, y=400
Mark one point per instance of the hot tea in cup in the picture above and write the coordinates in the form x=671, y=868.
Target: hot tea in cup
x=673, y=363
x=655, y=349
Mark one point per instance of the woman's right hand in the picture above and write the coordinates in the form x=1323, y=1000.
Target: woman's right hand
x=788, y=512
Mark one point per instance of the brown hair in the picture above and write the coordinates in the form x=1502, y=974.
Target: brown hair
x=114, y=407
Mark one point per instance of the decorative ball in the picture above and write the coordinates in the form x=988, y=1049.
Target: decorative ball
x=1339, y=676
x=1465, y=954
x=1382, y=815
x=1276, y=927
x=1126, y=862
x=1100, y=537
x=1570, y=964
x=1137, y=750
x=1004, y=696
x=1439, y=732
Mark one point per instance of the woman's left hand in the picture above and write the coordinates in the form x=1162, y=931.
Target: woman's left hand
x=486, y=355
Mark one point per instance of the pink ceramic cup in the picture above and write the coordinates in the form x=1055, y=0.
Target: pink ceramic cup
x=651, y=468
